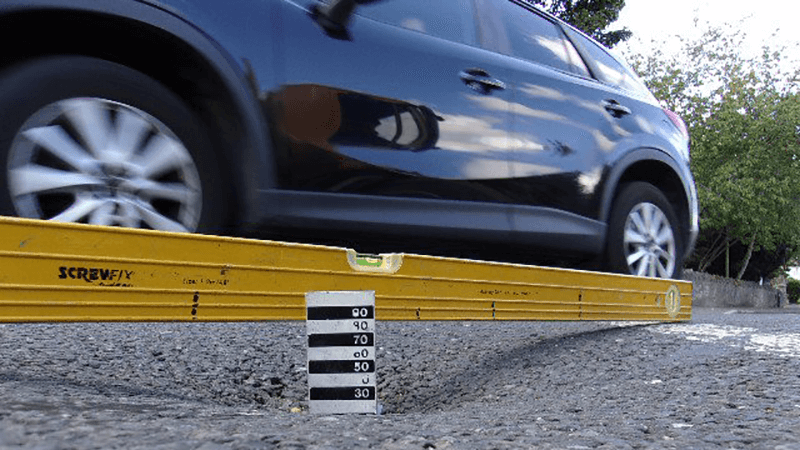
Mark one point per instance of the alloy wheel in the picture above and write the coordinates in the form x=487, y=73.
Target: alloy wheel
x=98, y=161
x=649, y=242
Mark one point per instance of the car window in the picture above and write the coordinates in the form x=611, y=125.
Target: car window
x=535, y=38
x=447, y=19
x=610, y=70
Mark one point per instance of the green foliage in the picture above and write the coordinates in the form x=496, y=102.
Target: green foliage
x=591, y=16
x=743, y=114
x=793, y=290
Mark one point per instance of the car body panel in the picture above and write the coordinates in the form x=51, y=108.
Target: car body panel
x=369, y=106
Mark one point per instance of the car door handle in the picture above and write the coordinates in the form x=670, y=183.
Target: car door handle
x=616, y=110
x=481, y=81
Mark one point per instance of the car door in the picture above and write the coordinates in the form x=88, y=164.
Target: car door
x=398, y=104
x=568, y=120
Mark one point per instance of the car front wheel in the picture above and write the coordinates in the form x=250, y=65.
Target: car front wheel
x=90, y=141
x=643, y=237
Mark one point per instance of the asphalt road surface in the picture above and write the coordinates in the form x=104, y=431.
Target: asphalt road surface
x=726, y=380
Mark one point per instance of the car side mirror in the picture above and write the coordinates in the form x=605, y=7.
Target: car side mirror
x=334, y=17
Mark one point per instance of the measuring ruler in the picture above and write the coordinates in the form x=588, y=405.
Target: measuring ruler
x=341, y=352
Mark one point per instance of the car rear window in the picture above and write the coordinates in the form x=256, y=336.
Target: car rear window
x=535, y=38
x=611, y=70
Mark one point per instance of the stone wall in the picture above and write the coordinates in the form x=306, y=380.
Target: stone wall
x=712, y=291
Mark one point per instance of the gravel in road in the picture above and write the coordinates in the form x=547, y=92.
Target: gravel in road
x=726, y=380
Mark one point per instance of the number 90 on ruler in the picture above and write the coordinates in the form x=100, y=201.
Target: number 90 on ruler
x=340, y=326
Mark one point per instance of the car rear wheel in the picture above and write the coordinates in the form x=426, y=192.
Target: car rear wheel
x=643, y=237
x=90, y=141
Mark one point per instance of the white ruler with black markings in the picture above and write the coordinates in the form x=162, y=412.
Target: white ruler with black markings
x=341, y=352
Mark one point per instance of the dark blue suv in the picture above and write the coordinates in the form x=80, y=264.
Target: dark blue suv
x=484, y=122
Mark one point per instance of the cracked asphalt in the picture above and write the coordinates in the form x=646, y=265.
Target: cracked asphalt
x=725, y=380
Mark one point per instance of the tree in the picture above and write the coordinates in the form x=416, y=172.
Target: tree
x=763, y=265
x=593, y=17
x=743, y=114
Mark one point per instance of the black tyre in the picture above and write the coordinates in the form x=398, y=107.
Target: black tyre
x=643, y=234
x=90, y=141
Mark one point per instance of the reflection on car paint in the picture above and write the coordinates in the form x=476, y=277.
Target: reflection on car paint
x=329, y=117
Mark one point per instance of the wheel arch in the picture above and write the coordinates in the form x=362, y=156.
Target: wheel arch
x=659, y=169
x=168, y=49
